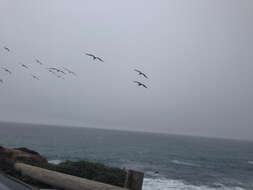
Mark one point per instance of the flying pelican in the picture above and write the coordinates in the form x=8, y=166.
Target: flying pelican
x=35, y=77
x=140, y=84
x=69, y=71
x=94, y=57
x=57, y=70
x=141, y=73
x=51, y=71
x=6, y=70
x=7, y=49
x=23, y=65
x=38, y=61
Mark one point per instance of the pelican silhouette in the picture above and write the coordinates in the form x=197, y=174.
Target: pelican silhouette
x=69, y=71
x=7, y=49
x=38, y=61
x=6, y=70
x=94, y=57
x=23, y=65
x=140, y=84
x=57, y=70
x=35, y=77
x=141, y=73
x=55, y=74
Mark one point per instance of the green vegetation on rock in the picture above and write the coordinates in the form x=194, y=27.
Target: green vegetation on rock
x=93, y=171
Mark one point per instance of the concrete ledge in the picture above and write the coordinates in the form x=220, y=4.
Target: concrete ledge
x=62, y=181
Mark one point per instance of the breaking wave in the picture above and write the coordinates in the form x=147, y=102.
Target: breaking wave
x=168, y=184
x=55, y=161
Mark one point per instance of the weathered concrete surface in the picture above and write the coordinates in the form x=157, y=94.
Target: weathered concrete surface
x=7, y=184
x=62, y=181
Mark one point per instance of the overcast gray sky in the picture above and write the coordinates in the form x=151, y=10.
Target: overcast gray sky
x=197, y=53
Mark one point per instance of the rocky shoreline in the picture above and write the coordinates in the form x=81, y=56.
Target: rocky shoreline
x=85, y=169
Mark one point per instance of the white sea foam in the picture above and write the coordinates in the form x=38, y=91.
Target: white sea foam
x=183, y=163
x=55, y=161
x=250, y=162
x=152, y=174
x=167, y=184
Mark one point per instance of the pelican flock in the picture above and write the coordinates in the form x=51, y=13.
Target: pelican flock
x=64, y=71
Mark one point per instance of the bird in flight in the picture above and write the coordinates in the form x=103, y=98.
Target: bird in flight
x=140, y=84
x=23, y=65
x=141, y=73
x=57, y=70
x=7, y=49
x=35, y=77
x=38, y=61
x=94, y=57
x=69, y=71
x=51, y=71
x=6, y=70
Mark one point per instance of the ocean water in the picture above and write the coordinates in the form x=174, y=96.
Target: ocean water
x=169, y=162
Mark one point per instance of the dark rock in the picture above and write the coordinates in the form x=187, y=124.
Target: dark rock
x=8, y=157
x=27, y=150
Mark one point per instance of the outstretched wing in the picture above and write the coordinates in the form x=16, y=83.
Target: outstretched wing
x=141, y=73
x=90, y=54
x=100, y=59
x=144, y=85
x=69, y=71
x=144, y=75
x=52, y=68
x=137, y=71
x=38, y=61
x=6, y=70
x=35, y=77
x=62, y=72
x=23, y=65
x=137, y=82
